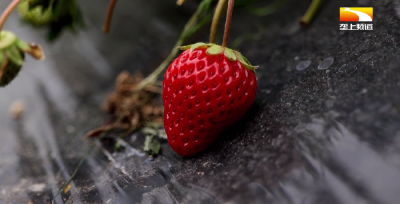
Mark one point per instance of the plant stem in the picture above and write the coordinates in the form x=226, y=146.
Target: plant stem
x=74, y=173
x=7, y=13
x=228, y=22
x=187, y=31
x=312, y=9
x=215, y=22
x=154, y=75
x=106, y=27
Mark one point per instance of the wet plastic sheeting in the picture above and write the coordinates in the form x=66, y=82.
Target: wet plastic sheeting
x=325, y=133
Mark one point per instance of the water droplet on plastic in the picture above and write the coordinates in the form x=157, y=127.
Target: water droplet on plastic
x=326, y=63
x=302, y=65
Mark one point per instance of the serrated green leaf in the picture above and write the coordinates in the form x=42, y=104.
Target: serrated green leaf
x=230, y=54
x=151, y=145
x=215, y=50
x=15, y=56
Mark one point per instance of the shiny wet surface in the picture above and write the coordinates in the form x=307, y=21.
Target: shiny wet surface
x=313, y=136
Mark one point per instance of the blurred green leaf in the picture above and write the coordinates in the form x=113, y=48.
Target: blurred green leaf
x=42, y=3
x=65, y=14
x=118, y=145
x=151, y=145
x=15, y=55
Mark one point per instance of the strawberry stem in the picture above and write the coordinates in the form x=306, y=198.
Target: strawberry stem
x=91, y=147
x=228, y=22
x=106, y=27
x=309, y=15
x=160, y=69
x=191, y=26
x=215, y=22
x=7, y=13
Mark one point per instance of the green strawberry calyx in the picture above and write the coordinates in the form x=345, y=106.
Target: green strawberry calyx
x=214, y=49
x=12, y=55
x=7, y=40
x=36, y=15
x=11, y=46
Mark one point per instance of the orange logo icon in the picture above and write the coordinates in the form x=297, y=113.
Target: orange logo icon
x=356, y=14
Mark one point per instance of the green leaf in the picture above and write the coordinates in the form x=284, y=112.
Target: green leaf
x=15, y=56
x=245, y=62
x=149, y=131
x=151, y=145
x=153, y=129
x=162, y=134
x=118, y=145
x=241, y=58
x=197, y=45
x=230, y=54
x=185, y=47
x=7, y=39
x=23, y=45
x=43, y=3
x=215, y=50
x=60, y=14
x=250, y=67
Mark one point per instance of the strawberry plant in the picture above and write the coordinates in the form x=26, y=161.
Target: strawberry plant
x=12, y=50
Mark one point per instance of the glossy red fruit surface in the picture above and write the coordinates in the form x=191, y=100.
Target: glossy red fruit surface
x=203, y=95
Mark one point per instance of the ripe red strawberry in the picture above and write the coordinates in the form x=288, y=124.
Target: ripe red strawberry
x=205, y=90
